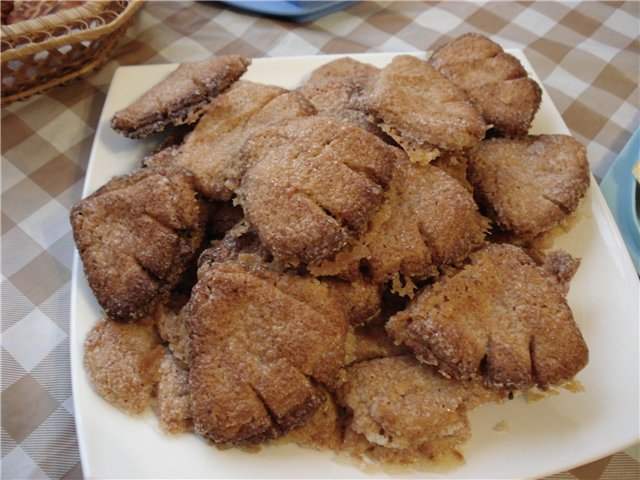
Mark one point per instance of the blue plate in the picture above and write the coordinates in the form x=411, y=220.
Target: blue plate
x=300, y=11
x=620, y=189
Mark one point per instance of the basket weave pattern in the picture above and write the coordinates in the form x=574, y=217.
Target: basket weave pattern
x=41, y=53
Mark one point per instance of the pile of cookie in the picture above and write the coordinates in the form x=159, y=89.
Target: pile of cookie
x=347, y=265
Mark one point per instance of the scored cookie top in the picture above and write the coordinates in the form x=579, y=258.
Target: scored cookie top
x=311, y=185
x=179, y=98
x=213, y=150
x=495, y=80
x=259, y=342
x=529, y=184
x=423, y=111
x=428, y=220
x=502, y=317
x=135, y=236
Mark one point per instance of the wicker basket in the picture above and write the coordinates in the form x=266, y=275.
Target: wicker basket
x=41, y=53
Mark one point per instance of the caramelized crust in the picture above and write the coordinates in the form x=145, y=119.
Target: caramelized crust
x=311, y=185
x=501, y=317
x=181, y=97
x=422, y=110
x=496, y=81
x=259, y=342
x=529, y=184
x=135, y=236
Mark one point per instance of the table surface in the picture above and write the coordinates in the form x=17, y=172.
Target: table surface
x=585, y=53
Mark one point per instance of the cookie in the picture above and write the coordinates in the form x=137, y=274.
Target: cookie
x=428, y=220
x=180, y=98
x=136, y=235
x=529, y=184
x=496, y=81
x=259, y=342
x=501, y=318
x=311, y=185
x=422, y=110
x=213, y=150
x=405, y=407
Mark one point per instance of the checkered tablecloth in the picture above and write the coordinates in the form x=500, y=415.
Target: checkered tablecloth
x=586, y=54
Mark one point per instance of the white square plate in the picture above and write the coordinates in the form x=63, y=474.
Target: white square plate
x=543, y=437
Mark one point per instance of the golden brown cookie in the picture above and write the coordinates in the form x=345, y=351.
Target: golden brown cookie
x=181, y=97
x=404, y=406
x=136, y=235
x=495, y=80
x=122, y=361
x=529, y=184
x=311, y=185
x=501, y=317
x=428, y=220
x=212, y=150
x=423, y=111
x=259, y=342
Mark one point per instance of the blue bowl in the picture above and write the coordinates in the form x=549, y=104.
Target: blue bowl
x=620, y=189
x=300, y=11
